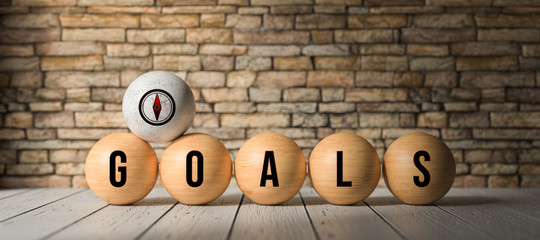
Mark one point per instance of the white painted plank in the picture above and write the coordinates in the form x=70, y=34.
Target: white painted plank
x=48, y=219
x=32, y=199
x=345, y=222
x=120, y=222
x=5, y=193
x=500, y=221
x=421, y=222
x=285, y=221
x=211, y=221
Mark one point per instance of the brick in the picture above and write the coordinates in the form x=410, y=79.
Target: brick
x=374, y=79
x=30, y=169
x=385, y=63
x=33, y=156
x=337, y=107
x=408, y=79
x=252, y=10
x=172, y=62
x=326, y=50
x=405, y=9
x=492, y=156
x=199, y=9
x=274, y=50
x=205, y=79
x=69, y=48
x=289, y=132
x=530, y=181
x=19, y=64
x=127, y=50
x=432, y=119
x=384, y=49
x=498, y=107
x=379, y=120
x=456, y=134
x=432, y=64
x=282, y=79
x=206, y=120
x=496, y=79
x=234, y=107
x=458, y=3
x=330, y=79
x=375, y=95
x=11, y=134
x=94, y=34
x=515, y=119
x=156, y=35
x=322, y=36
x=98, y=119
x=460, y=107
x=305, y=120
x=523, y=95
x=529, y=169
x=514, y=35
x=443, y=21
x=18, y=120
x=242, y=21
x=281, y=22
x=320, y=21
x=16, y=50
x=241, y=78
x=209, y=35
x=29, y=21
x=529, y=156
x=79, y=182
x=286, y=107
x=264, y=95
x=169, y=21
x=44, y=3
x=377, y=21
x=219, y=63
x=291, y=9
x=387, y=107
x=271, y=37
x=493, y=168
x=86, y=63
x=74, y=79
x=255, y=120
x=8, y=156
x=393, y=133
x=407, y=120
x=70, y=168
x=113, y=63
x=115, y=2
x=181, y=49
x=56, y=181
x=392, y=2
x=67, y=155
x=279, y=2
x=50, y=94
x=503, y=20
x=478, y=119
x=60, y=10
x=503, y=182
x=292, y=63
x=19, y=36
x=91, y=20
x=225, y=95
x=213, y=20
x=487, y=63
x=253, y=63
x=336, y=63
x=422, y=35
x=427, y=50
x=122, y=9
x=45, y=106
x=48, y=120
x=470, y=181
x=484, y=48
x=111, y=95
x=40, y=134
x=218, y=49
x=529, y=63
x=364, y=36
x=185, y=2
x=26, y=79
x=301, y=95
x=531, y=50
x=344, y=120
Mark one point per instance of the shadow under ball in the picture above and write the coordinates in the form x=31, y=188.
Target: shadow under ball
x=344, y=168
x=129, y=160
x=289, y=170
x=199, y=151
x=419, y=168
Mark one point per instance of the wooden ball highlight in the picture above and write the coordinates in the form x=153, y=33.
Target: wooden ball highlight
x=196, y=169
x=419, y=169
x=121, y=168
x=344, y=168
x=270, y=168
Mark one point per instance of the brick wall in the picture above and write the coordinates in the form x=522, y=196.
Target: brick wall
x=467, y=71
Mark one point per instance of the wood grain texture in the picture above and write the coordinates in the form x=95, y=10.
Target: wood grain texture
x=211, y=221
x=286, y=221
x=121, y=222
x=30, y=200
x=216, y=164
x=290, y=168
x=360, y=165
x=399, y=168
x=141, y=167
x=345, y=222
x=50, y=218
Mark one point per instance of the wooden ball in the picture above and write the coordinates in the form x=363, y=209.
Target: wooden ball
x=196, y=169
x=344, y=168
x=121, y=168
x=419, y=168
x=270, y=168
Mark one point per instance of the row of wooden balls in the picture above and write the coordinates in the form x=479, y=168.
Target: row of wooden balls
x=270, y=168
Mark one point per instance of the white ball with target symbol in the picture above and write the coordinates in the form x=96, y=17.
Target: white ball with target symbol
x=158, y=106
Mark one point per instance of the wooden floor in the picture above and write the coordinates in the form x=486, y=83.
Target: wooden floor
x=79, y=214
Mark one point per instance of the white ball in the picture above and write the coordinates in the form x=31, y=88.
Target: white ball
x=158, y=106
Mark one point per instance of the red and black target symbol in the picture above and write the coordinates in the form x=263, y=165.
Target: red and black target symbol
x=157, y=107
